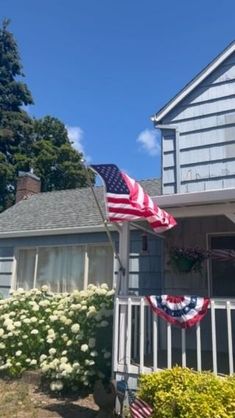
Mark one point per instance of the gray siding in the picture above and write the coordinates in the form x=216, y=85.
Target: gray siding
x=6, y=268
x=55, y=240
x=205, y=122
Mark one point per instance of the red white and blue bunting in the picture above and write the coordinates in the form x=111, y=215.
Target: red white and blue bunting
x=184, y=311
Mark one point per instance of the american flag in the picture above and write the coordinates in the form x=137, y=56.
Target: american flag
x=138, y=407
x=221, y=254
x=127, y=201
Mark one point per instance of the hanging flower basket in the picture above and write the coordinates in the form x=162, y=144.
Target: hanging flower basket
x=186, y=260
x=185, y=265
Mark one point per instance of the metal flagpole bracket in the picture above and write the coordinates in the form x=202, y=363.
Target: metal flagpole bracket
x=148, y=231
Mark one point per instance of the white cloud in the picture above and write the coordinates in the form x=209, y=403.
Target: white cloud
x=150, y=141
x=76, y=135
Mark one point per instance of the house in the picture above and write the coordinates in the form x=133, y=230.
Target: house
x=198, y=187
x=58, y=238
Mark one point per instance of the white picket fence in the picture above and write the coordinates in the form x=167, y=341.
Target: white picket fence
x=143, y=342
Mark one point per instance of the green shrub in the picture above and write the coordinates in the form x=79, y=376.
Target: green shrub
x=183, y=393
x=67, y=336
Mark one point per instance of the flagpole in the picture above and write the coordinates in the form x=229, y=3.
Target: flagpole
x=105, y=222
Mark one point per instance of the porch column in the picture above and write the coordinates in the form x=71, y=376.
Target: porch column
x=124, y=246
x=124, y=250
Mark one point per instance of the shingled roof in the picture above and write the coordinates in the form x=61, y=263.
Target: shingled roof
x=65, y=209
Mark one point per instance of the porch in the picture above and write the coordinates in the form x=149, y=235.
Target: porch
x=143, y=342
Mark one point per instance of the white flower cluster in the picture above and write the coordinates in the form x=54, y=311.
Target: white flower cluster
x=67, y=336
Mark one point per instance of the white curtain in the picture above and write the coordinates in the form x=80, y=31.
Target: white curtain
x=25, y=268
x=100, y=265
x=62, y=268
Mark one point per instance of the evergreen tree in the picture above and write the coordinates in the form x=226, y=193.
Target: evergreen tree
x=16, y=126
x=54, y=160
x=26, y=143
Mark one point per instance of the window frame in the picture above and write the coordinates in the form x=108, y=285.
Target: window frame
x=37, y=247
x=210, y=235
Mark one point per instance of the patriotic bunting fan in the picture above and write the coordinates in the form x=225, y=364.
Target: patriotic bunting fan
x=184, y=311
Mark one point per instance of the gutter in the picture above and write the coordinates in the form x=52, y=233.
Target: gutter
x=55, y=231
x=195, y=198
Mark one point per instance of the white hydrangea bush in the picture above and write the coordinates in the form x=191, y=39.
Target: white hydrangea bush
x=67, y=336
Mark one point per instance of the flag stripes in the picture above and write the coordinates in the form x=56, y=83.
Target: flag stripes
x=127, y=201
x=221, y=255
x=138, y=407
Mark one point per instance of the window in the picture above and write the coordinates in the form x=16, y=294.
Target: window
x=61, y=267
x=25, y=268
x=223, y=272
x=65, y=269
x=99, y=265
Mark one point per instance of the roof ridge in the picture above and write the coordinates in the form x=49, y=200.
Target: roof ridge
x=87, y=187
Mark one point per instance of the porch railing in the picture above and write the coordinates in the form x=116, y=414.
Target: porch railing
x=143, y=342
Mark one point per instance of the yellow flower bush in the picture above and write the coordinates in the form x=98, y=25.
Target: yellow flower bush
x=183, y=393
x=67, y=336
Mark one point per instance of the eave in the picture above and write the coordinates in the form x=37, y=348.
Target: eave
x=55, y=231
x=206, y=203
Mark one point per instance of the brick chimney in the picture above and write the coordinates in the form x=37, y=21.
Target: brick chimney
x=27, y=184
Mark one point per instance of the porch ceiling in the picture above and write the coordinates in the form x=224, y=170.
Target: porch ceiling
x=207, y=203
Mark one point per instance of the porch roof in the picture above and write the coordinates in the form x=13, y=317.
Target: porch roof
x=206, y=203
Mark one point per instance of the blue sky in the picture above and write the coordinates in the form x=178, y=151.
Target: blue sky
x=104, y=67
